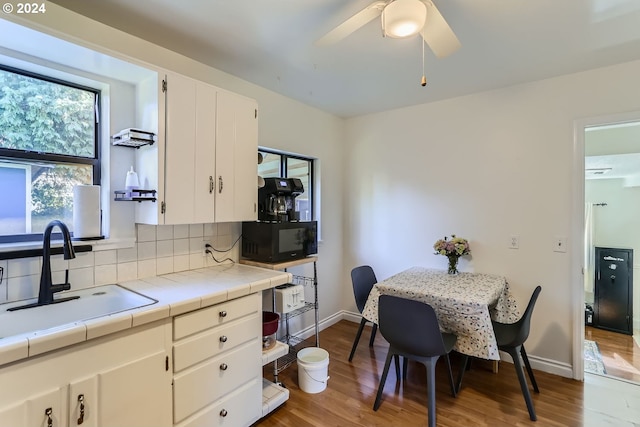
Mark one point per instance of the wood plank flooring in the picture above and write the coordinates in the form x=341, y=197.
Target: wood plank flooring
x=486, y=399
x=620, y=353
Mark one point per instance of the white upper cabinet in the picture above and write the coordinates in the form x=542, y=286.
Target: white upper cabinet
x=236, y=158
x=205, y=166
x=204, y=163
x=180, y=146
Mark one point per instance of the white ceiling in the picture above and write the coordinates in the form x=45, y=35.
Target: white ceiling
x=271, y=43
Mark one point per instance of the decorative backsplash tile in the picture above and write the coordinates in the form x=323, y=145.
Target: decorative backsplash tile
x=159, y=250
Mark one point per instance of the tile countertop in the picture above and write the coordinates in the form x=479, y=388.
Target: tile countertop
x=176, y=293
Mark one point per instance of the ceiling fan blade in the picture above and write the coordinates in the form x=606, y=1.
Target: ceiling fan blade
x=352, y=24
x=438, y=34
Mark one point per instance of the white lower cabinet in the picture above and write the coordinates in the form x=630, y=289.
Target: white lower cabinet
x=129, y=379
x=217, y=364
x=120, y=380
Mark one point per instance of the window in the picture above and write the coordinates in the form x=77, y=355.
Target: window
x=48, y=143
x=277, y=164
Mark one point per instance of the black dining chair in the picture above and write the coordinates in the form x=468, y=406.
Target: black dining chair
x=511, y=338
x=363, y=278
x=412, y=330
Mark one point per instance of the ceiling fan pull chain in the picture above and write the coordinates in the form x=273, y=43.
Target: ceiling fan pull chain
x=423, y=82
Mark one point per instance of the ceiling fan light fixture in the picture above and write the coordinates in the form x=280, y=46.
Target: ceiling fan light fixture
x=403, y=18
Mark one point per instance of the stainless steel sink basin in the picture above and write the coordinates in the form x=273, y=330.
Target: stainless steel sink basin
x=92, y=303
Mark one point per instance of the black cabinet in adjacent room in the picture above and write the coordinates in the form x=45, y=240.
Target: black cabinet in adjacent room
x=614, y=290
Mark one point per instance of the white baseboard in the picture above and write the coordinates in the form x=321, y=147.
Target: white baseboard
x=545, y=365
x=309, y=331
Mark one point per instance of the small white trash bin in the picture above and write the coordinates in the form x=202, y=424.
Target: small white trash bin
x=313, y=367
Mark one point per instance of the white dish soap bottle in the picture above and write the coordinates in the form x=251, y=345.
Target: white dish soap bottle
x=131, y=182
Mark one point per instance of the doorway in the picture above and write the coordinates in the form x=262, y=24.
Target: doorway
x=611, y=204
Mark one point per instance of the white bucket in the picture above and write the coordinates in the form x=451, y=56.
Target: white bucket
x=313, y=364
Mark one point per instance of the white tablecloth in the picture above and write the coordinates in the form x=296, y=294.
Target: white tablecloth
x=464, y=303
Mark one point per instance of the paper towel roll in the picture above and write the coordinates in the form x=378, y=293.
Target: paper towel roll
x=86, y=211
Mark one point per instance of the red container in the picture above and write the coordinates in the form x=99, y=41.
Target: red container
x=270, y=322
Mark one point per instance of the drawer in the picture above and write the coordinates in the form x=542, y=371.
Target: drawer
x=214, y=341
x=216, y=315
x=238, y=408
x=203, y=384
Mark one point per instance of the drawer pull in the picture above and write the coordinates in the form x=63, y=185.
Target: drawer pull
x=223, y=313
x=81, y=402
x=224, y=367
x=223, y=413
x=48, y=412
x=223, y=338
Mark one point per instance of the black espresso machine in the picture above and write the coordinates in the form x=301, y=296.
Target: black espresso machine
x=279, y=235
x=276, y=199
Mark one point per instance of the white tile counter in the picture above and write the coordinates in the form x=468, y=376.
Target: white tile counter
x=176, y=293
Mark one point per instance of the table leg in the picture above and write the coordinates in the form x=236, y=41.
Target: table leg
x=495, y=366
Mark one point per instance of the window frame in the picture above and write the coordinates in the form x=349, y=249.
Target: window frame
x=284, y=156
x=65, y=159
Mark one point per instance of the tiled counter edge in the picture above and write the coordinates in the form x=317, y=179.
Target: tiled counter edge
x=176, y=293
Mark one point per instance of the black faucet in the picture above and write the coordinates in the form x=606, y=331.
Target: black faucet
x=47, y=288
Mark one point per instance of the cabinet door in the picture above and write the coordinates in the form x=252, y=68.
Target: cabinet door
x=136, y=394
x=83, y=402
x=47, y=409
x=236, y=158
x=180, y=134
x=245, y=161
x=205, y=154
x=225, y=139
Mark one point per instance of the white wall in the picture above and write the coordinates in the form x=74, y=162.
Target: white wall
x=483, y=166
x=617, y=225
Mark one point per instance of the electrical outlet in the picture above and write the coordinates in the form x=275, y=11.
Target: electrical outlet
x=204, y=250
x=514, y=242
x=560, y=244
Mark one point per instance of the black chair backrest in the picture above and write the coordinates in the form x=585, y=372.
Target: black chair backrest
x=363, y=279
x=525, y=321
x=410, y=326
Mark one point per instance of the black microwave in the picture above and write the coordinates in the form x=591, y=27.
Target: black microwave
x=279, y=241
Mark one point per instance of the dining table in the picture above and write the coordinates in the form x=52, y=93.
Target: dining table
x=465, y=303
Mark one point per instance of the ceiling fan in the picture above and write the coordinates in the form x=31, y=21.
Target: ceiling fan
x=401, y=18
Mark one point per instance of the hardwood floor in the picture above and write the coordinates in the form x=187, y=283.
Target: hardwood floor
x=620, y=353
x=486, y=399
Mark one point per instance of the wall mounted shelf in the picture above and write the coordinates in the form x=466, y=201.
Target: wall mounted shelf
x=135, y=196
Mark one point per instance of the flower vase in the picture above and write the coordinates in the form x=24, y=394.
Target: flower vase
x=453, y=264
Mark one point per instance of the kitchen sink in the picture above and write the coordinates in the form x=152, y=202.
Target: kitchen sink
x=91, y=303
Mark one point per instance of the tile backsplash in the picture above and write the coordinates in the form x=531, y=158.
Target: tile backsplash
x=158, y=250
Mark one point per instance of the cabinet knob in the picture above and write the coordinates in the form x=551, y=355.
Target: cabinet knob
x=224, y=367
x=223, y=338
x=223, y=413
x=223, y=313
x=220, y=184
x=212, y=184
